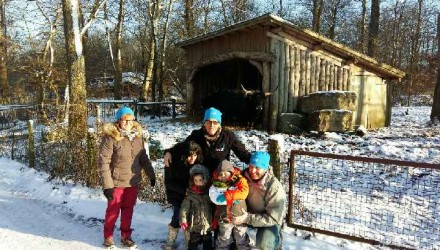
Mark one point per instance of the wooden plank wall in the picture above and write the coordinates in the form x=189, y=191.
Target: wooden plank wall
x=300, y=71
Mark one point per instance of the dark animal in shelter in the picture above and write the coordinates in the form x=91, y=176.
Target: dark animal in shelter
x=243, y=107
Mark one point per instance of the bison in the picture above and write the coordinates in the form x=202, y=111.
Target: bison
x=243, y=107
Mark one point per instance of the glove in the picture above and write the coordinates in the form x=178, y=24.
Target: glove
x=153, y=182
x=221, y=198
x=108, y=193
x=184, y=226
x=241, y=219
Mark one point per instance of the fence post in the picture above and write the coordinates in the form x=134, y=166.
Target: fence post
x=13, y=146
x=274, y=150
x=136, y=110
x=98, y=118
x=31, y=153
x=173, y=105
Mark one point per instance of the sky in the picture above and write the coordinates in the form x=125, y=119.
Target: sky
x=39, y=214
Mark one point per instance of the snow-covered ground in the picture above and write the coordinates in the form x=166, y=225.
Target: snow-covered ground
x=38, y=214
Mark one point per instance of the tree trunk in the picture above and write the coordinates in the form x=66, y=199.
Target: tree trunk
x=4, y=85
x=317, y=10
x=161, y=71
x=435, y=111
x=189, y=18
x=151, y=50
x=76, y=70
x=333, y=18
x=373, y=28
x=361, y=43
x=118, y=60
x=415, y=54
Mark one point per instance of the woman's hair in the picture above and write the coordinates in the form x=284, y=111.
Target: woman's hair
x=189, y=148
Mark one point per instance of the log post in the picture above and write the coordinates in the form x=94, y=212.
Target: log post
x=274, y=82
x=322, y=75
x=312, y=73
x=273, y=149
x=327, y=85
x=98, y=118
x=281, y=88
x=286, y=78
x=31, y=146
x=297, y=77
x=339, y=78
x=307, y=73
x=292, y=59
x=302, y=82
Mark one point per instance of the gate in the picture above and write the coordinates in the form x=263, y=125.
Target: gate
x=377, y=201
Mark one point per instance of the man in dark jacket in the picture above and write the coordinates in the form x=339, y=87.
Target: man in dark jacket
x=186, y=154
x=216, y=142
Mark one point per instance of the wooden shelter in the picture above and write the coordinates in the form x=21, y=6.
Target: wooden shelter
x=273, y=55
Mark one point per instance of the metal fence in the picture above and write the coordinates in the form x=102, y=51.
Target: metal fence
x=10, y=115
x=107, y=108
x=387, y=202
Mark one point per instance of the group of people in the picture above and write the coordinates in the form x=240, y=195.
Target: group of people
x=211, y=198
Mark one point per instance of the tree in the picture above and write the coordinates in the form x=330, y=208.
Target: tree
x=76, y=65
x=363, y=21
x=317, y=11
x=118, y=47
x=435, y=111
x=163, y=44
x=153, y=16
x=4, y=85
x=373, y=28
x=76, y=69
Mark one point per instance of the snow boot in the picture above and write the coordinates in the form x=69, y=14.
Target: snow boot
x=128, y=243
x=109, y=243
x=171, y=239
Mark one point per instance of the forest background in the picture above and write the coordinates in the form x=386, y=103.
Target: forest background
x=58, y=52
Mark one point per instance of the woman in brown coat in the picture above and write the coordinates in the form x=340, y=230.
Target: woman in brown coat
x=121, y=158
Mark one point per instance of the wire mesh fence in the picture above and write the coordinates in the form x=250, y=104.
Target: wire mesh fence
x=387, y=202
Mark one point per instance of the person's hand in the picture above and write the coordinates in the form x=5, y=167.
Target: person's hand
x=184, y=226
x=167, y=159
x=108, y=193
x=241, y=219
x=153, y=182
x=221, y=198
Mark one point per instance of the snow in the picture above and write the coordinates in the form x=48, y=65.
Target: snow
x=41, y=214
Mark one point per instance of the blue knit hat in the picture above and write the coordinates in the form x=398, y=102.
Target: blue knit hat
x=123, y=112
x=213, y=114
x=260, y=159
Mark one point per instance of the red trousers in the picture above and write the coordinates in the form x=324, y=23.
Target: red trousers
x=124, y=200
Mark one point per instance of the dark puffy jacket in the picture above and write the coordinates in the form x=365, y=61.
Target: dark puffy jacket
x=219, y=150
x=177, y=174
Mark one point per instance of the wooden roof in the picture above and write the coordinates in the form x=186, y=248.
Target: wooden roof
x=314, y=39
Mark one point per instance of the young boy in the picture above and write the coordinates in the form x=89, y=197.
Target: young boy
x=229, y=191
x=196, y=209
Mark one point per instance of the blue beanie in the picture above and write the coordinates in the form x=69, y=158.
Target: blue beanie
x=260, y=159
x=213, y=114
x=123, y=112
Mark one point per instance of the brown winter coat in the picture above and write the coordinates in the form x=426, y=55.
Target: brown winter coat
x=120, y=160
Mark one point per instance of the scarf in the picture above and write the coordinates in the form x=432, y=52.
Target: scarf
x=211, y=138
x=197, y=189
x=129, y=134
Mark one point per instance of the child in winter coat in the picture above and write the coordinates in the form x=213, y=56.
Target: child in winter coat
x=186, y=155
x=229, y=191
x=196, y=210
